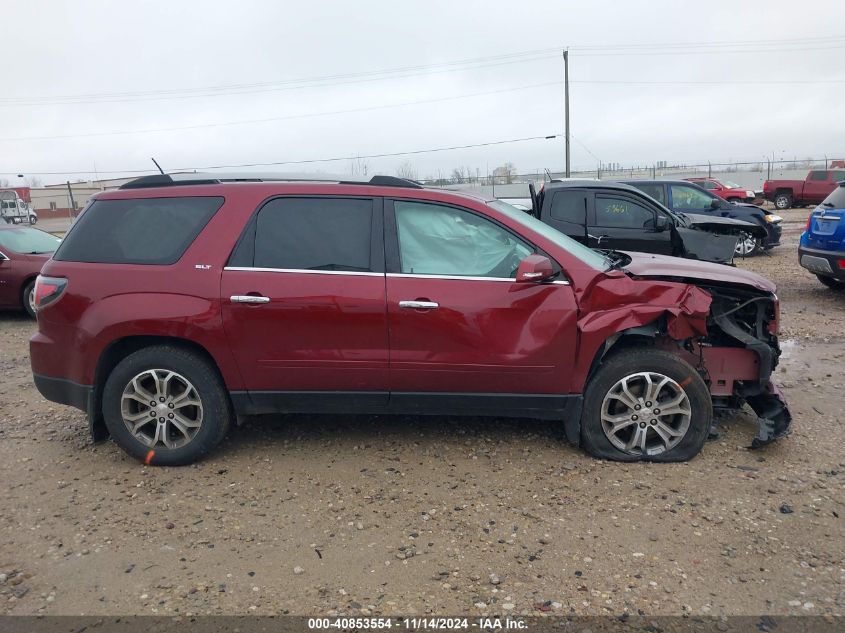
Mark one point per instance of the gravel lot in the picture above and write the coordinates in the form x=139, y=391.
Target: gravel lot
x=401, y=515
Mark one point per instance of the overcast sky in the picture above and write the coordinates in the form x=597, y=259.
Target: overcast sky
x=295, y=81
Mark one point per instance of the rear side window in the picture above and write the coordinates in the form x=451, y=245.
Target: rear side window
x=837, y=176
x=315, y=234
x=155, y=231
x=836, y=198
x=655, y=191
x=570, y=206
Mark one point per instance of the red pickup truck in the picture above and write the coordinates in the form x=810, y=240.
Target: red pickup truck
x=812, y=190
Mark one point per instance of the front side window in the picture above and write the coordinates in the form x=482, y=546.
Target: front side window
x=689, y=198
x=155, y=231
x=622, y=213
x=837, y=176
x=818, y=175
x=315, y=234
x=708, y=184
x=440, y=240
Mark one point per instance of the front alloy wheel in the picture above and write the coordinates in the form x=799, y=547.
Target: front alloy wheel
x=161, y=408
x=746, y=245
x=644, y=403
x=646, y=413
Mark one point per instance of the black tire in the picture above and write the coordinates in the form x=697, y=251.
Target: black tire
x=216, y=407
x=830, y=282
x=33, y=220
x=783, y=201
x=633, y=361
x=28, y=290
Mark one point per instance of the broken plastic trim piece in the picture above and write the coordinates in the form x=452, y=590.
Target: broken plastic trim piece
x=774, y=420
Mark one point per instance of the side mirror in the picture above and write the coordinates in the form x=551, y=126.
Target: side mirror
x=534, y=268
x=715, y=203
x=661, y=223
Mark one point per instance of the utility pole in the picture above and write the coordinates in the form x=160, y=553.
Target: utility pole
x=566, y=103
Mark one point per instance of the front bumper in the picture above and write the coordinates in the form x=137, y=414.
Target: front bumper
x=819, y=262
x=774, y=230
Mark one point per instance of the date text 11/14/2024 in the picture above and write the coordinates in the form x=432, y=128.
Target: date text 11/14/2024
x=418, y=624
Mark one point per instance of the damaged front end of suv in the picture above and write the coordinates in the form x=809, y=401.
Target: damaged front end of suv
x=739, y=354
x=721, y=321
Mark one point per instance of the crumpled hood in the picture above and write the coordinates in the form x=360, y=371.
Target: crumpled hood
x=663, y=266
x=704, y=221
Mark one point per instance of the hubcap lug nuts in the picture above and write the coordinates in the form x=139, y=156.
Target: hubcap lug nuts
x=648, y=404
x=635, y=417
x=653, y=422
x=161, y=420
x=656, y=411
x=642, y=425
x=153, y=403
x=170, y=415
x=152, y=414
x=170, y=405
x=161, y=399
x=637, y=407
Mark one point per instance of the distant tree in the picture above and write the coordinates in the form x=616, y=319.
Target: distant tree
x=460, y=175
x=359, y=167
x=505, y=173
x=35, y=181
x=4, y=182
x=407, y=170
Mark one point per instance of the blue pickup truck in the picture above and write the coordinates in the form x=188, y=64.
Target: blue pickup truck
x=822, y=246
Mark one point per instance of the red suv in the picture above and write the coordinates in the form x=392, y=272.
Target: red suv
x=174, y=305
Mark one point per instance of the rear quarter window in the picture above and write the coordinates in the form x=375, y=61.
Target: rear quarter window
x=154, y=231
x=836, y=198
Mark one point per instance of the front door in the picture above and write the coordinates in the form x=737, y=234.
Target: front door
x=460, y=326
x=622, y=223
x=304, y=304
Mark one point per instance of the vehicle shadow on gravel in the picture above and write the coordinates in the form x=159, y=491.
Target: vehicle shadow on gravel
x=317, y=430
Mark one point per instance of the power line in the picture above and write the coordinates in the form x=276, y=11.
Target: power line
x=676, y=48
x=289, y=162
x=281, y=118
x=586, y=82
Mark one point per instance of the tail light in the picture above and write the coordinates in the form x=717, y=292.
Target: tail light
x=809, y=221
x=48, y=289
x=842, y=263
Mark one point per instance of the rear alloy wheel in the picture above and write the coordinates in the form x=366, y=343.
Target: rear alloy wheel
x=28, y=298
x=830, y=282
x=783, y=201
x=747, y=245
x=646, y=404
x=166, y=406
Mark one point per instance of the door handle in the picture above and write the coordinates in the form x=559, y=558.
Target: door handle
x=419, y=305
x=249, y=299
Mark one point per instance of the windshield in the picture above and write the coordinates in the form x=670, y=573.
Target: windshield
x=836, y=199
x=587, y=255
x=28, y=241
x=731, y=185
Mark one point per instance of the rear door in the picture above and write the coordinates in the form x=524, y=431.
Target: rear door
x=622, y=222
x=303, y=302
x=460, y=326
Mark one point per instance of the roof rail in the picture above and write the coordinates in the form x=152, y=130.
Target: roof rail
x=186, y=179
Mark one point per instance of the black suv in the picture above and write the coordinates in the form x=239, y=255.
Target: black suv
x=615, y=216
x=685, y=197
